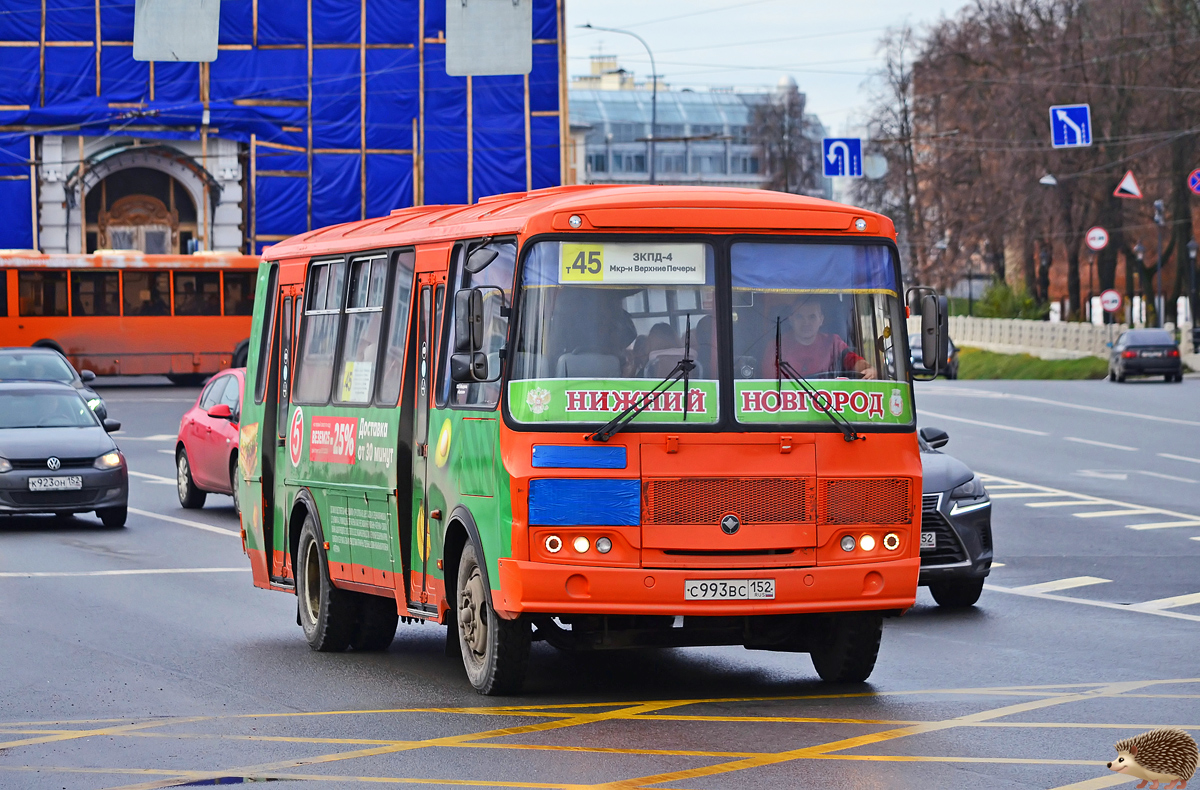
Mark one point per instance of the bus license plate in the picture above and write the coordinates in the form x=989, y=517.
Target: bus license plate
x=729, y=590
x=60, y=483
x=929, y=540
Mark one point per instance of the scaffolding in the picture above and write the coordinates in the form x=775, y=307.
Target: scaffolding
x=343, y=109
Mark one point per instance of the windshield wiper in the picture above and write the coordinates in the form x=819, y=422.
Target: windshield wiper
x=784, y=368
x=682, y=370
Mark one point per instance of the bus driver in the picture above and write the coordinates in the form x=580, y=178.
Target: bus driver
x=812, y=352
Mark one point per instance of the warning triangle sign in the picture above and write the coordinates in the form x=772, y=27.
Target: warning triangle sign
x=1128, y=188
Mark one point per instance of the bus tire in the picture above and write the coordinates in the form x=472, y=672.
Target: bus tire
x=47, y=343
x=327, y=614
x=186, y=379
x=848, y=651
x=240, y=354
x=377, y=620
x=190, y=497
x=957, y=594
x=495, y=651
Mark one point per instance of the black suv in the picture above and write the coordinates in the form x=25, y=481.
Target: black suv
x=956, y=525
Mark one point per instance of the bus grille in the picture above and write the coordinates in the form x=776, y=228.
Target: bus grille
x=704, y=500
x=871, y=500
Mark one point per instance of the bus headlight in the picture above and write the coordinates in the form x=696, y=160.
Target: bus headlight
x=553, y=544
x=867, y=543
x=603, y=545
x=891, y=541
x=848, y=543
x=108, y=461
x=581, y=544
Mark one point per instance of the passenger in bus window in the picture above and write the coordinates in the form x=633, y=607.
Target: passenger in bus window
x=809, y=350
x=185, y=301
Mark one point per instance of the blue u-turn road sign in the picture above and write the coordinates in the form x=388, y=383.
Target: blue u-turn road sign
x=843, y=156
x=1071, y=125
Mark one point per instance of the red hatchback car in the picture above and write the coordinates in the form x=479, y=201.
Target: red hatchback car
x=206, y=451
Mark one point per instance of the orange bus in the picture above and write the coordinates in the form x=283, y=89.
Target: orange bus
x=126, y=313
x=599, y=417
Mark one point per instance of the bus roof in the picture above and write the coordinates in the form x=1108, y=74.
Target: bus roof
x=125, y=259
x=600, y=207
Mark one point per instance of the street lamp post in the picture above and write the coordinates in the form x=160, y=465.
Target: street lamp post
x=653, y=88
x=1159, y=220
x=1191, y=248
x=1140, y=251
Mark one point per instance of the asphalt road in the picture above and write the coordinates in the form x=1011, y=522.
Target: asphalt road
x=121, y=671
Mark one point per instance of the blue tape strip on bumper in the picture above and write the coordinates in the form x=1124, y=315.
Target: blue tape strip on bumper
x=602, y=503
x=552, y=456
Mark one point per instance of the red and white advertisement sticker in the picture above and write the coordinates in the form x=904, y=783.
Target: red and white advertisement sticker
x=332, y=440
x=296, y=436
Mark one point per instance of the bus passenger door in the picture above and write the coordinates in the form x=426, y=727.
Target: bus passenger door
x=273, y=510
x=430, y=289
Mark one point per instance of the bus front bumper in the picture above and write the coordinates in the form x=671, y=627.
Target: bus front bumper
x=545, y=588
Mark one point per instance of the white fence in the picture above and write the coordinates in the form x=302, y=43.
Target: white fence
x=1045, y=339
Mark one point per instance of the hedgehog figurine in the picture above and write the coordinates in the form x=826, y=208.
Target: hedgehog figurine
x=1166, y=755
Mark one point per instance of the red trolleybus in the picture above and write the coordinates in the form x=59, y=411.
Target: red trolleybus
x=126, y=313
x=600, y=417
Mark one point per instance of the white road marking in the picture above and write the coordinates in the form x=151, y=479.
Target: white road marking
x=186, y=523
x=969, y=392
x=1074, y=502
x=1165, y=477
x=1100, y=444
x=1120, y=607
x=134, y=572
x=1166, y=524
x=158, y=437
x=165, y=452
x=1102, y=475
x=1169, y=603
x=152, y=478
x=1062, y=584
x=1085, y=500
x=1019, y=495
x=980, y=422
x=1179, y=458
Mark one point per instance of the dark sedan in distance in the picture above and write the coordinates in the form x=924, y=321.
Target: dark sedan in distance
x=1145, y=352
x=56, y=455
x=949, y=369
x=18, y=363
x=956, y=525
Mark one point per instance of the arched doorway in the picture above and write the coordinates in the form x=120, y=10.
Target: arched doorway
x=140, y=208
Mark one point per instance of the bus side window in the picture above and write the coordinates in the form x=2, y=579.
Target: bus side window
x=364, y=320
x=313, y=374
x=397, y=317
x=42, y=293
x=95, y=293
x=498, y=274
x=3, y=293
x=266, y=331
x=147, y=293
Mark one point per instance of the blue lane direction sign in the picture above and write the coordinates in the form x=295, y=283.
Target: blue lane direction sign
x=1194, y=181
x=1071, y=125
x=843, y=156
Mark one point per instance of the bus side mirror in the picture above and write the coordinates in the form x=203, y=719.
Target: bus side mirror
x=935, y=330
x=472, y=367
x=468, y=320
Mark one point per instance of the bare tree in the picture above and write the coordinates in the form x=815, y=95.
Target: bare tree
x=789, y=145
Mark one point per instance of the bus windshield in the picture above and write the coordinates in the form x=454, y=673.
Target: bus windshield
x=827, y=314
x=603, y=322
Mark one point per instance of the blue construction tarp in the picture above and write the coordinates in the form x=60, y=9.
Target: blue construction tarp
x=324, y=115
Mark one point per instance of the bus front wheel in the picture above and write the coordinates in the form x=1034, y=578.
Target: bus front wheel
x=848, y=650
x=495, y=651
x=326, y=613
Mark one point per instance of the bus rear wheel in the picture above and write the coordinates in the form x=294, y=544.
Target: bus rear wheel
x=848, y=651
x=495, y=651
x=327, y=614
